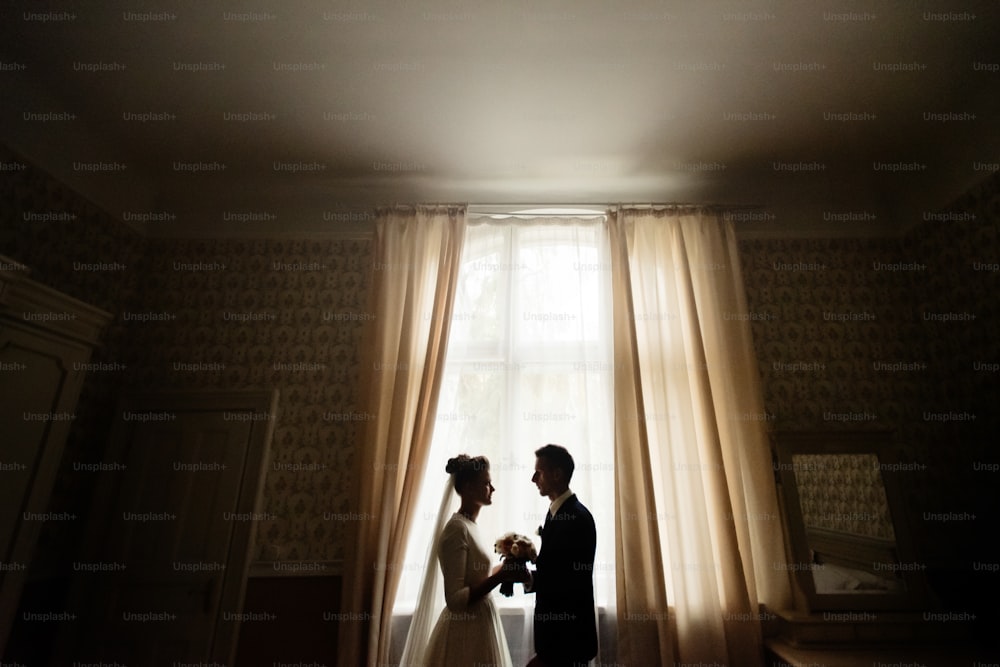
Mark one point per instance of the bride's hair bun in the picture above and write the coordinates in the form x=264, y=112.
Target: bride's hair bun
x=464, y=468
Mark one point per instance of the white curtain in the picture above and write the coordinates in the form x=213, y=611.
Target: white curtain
x=414, y=275
x=705, y=522
x=529, y=363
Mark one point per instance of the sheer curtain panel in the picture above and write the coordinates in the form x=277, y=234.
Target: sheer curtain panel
x=415, y=269
x=695, y=494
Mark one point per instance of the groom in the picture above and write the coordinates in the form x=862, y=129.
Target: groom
x=563, y=582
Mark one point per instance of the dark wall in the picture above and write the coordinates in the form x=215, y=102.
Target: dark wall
x=267, y=313
x=271, y=313
x=299, y=623
x=899, y=334
x=60, y=236
x=956, y=306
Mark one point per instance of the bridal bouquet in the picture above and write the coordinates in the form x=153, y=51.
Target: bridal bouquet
x=514, y=548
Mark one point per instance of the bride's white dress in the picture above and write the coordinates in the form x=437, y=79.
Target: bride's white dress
x=465, y=635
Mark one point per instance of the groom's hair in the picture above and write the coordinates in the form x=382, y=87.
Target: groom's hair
x=557, y=457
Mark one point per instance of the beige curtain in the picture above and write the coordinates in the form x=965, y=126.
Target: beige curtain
x=699, y=520
x=644, y=636
x=416, y=262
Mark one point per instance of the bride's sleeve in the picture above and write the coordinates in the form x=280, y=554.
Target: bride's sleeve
x=452, y=555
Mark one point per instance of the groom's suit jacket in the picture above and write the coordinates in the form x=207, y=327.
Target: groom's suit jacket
x=565, y=627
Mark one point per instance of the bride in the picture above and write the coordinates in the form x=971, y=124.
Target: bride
x=468, y=630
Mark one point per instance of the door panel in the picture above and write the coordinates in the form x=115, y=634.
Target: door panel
x=176, y=533
x=38, y=393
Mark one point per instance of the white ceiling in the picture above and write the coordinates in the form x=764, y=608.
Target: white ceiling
x=506, y=102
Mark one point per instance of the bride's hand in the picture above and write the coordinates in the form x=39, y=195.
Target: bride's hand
x=512, y=572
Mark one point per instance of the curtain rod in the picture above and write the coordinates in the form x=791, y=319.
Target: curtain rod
x=601, y=210
x=502, y=209
x=498, y=208
x=487, y=211
x=485, y=214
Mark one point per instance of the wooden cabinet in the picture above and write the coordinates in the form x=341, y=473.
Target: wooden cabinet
x=46, y=340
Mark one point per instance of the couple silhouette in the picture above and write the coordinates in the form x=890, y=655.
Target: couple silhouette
x=468, y=632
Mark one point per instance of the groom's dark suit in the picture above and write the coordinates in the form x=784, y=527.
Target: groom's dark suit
x=565, y=628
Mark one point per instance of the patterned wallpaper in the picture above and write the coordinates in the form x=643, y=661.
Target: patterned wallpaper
x=271, y=313
x=821, y=337
x=962, y=252
x=275, y=313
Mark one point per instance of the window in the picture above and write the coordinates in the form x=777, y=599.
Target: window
x=529, y=363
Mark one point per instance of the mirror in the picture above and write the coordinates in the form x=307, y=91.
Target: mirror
x=848, y=538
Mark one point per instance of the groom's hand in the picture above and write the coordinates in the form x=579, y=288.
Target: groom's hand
x=514, y=572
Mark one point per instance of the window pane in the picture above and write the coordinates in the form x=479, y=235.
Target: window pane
x=471, y=407
x=566, y=309
x=529, y=361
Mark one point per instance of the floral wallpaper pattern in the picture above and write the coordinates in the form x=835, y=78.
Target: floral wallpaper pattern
x=285, y=314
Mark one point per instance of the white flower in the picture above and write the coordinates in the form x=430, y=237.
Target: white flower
x=516, y=547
